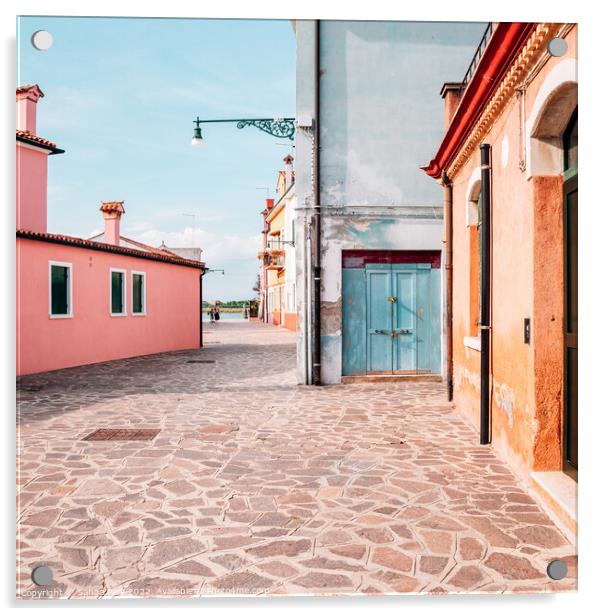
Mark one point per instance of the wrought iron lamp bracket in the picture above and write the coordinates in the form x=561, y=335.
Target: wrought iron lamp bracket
x=283, y=128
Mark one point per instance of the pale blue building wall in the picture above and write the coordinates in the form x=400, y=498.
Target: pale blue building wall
x=381, y=117
x=381, y=114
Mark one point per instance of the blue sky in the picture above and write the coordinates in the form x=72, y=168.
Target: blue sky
x=120, y=98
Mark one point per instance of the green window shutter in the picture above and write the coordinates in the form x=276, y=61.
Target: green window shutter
x=137, y=293
x=117, y=292
x=59, y=288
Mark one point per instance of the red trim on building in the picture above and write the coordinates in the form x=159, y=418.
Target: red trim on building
x=504, y=46
x=358, y=259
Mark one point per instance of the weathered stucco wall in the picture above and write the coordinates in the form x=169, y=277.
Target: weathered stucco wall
x=380, y=106
x=527, y=282
x=375, y=228
x=305, y=30
x=379, y=121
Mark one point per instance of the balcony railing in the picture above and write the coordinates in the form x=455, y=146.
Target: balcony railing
x=276, y=244
x=478, y=55
x=273, y=261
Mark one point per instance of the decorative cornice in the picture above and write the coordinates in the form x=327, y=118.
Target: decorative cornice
x=530, y=53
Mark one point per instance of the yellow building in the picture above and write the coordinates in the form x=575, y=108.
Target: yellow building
x=277, y=269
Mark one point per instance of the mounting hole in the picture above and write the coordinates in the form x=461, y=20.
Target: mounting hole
x=557, y=47
x=42, y=575
x=557, y=569
x=42, y=40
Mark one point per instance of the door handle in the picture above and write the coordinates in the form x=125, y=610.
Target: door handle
x=404, y=331
x=380, y=331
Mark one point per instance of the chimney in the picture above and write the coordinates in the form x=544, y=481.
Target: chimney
x=27, y=99
x=111, y=212
x=32, y=163
x=451, y=93
x=288, y=172
x=269, y=204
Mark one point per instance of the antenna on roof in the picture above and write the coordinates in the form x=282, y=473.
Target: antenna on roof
x=266, y=188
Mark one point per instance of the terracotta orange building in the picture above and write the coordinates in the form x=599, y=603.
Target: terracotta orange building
x=508, y=167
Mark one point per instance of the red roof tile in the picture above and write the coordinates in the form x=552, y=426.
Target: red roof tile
x=78, y=242
x=112, y=206
x=28, y=87
x=25, y=135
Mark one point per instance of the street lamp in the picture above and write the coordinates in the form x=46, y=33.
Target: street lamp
x=197, y=137
x=277, y=127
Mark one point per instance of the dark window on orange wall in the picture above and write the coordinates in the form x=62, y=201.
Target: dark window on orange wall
x=569, y=142
x=473, y=308
x=474, y=283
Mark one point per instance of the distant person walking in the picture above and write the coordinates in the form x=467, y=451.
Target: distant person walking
x=216, y=313
x=211, y=315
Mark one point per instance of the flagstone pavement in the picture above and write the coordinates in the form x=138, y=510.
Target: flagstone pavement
x=255, y=485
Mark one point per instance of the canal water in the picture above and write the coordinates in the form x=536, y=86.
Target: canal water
x=228, y=316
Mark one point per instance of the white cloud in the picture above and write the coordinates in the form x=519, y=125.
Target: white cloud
x=217, y=248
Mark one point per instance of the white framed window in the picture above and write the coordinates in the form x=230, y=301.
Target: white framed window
x=117, y=293
x=60, y=290
x=138, y=293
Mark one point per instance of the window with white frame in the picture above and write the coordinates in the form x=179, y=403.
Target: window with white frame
x=118, y=306
x=138, y=293
x=60, y=289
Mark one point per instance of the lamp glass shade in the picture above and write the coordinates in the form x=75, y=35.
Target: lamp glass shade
x=197, y=137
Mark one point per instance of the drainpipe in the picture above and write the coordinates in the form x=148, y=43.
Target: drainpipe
x=201, y=305
x=485, y=319
x=449, y=280
x=317, y=256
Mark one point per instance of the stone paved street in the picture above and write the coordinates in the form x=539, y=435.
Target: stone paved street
x=255, y=485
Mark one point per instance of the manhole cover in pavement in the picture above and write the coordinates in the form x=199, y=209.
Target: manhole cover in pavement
x=122, y=434
x=201, y=361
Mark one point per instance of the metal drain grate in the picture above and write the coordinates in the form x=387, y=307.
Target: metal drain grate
x=201, y=361
x=122, y=434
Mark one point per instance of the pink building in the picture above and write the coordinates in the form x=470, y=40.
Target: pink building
x=81, y=301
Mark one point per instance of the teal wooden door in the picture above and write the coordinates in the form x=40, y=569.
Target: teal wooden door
x=379, y=324
x=391, y=318
x=403, y=308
